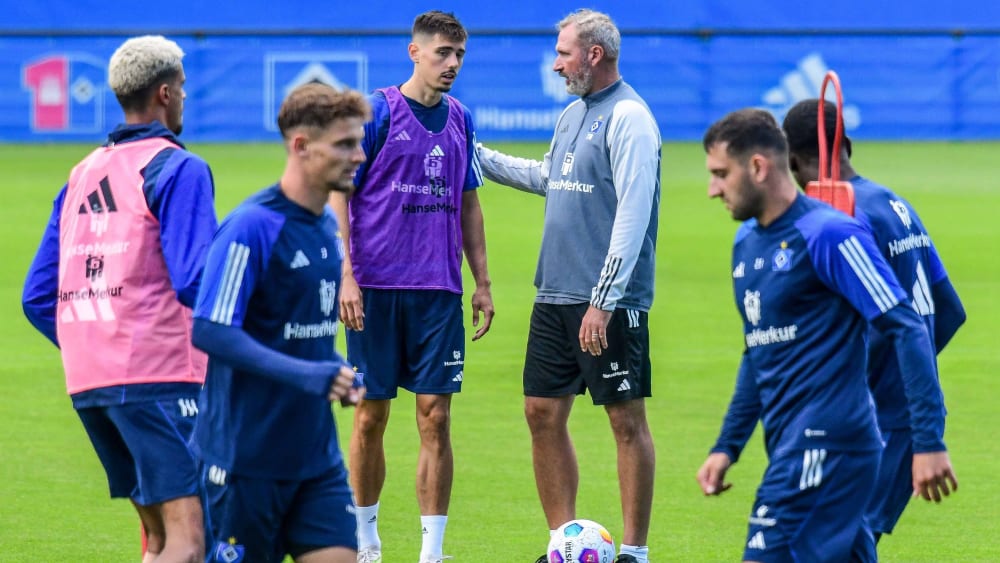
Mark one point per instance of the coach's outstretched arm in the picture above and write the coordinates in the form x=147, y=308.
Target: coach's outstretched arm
x=522, y=173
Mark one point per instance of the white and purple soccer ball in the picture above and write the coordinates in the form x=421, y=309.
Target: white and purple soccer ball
x=581, y=541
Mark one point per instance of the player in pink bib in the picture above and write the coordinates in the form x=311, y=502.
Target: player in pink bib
x=112, y=285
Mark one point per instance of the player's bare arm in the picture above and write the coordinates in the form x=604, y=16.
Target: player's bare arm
x=474, y=241
x=352, y=312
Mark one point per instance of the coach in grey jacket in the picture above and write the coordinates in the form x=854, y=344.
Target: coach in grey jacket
x=595, y=276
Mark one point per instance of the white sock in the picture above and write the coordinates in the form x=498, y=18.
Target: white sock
x=368, y=526
x=433, y=533
x=640, y=552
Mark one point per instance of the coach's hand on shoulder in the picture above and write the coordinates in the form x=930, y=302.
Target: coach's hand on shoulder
x=342, y=384
x=712, y=474
x=352, y=311
x=933, y=476
x=482, y=303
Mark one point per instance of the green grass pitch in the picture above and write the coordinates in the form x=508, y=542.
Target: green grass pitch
x=53, y=497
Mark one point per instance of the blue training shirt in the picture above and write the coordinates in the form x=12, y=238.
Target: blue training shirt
x=432, y=118
x=806, y=286
x=905, y=244
x=272, y=275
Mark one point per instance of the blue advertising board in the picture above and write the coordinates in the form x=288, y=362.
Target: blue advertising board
x=379, y=16
x=896, y=87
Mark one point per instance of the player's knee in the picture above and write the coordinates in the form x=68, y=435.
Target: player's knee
x=184, y=524
x=187, y=553
x=368, y=420
x=544, y=416
x=628, y=427
x=155, y=542
x=435, y=423
x=186, y=545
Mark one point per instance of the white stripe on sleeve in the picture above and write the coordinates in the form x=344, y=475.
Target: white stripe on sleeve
x=232, y=280
x=612, y=265
x=869, y=276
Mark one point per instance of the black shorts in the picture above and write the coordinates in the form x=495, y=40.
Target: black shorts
x=554, y=365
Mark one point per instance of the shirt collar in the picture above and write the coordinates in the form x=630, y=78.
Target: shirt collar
x=125, y=133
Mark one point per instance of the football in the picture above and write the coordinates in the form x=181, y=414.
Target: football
x=581, y=541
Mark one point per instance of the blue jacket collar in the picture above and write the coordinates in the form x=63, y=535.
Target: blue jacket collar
x=125, y=133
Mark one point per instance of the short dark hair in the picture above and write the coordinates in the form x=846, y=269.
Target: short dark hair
x=318, y=105
x=745, y=131
x=801, y=131
x=437, y=22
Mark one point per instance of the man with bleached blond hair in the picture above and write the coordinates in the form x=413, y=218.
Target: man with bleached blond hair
x=112, y=285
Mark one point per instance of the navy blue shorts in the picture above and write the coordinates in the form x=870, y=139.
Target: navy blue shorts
x=262, y=520
x=413, y=339
x=554, y=365
x=144, y=448
x=810, y=506
x=894, y=486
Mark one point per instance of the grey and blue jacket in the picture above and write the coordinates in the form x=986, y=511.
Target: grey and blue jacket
x=601, y=182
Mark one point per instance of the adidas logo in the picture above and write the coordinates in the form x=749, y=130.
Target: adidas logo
x=624, y=386
x=458, y=377
x=424, y=531
x=436, y=151
x=403, y=136
x=94, y=203
x=96, y=207
x=299, y=260
x=803, y=83
x=373, y=519
x=757, y=541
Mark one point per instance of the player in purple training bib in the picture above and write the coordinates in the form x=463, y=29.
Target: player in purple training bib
x=405, y=228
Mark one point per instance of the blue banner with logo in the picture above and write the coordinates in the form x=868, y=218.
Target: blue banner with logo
x=380, y=16
x=896, y=87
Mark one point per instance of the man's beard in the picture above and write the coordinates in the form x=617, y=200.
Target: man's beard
x=580, y=83
x=751, y=201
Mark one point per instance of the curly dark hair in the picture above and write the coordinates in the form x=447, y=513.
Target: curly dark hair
x=801, y=131
x=318, y=105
